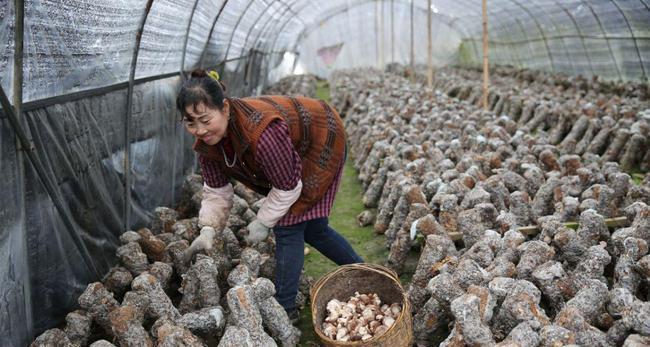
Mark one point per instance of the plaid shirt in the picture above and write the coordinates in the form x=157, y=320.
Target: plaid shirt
x=281, y=165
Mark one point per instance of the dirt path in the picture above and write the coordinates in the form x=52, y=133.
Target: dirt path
x=343, y=218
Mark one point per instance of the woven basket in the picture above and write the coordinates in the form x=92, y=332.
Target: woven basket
x=342, y=282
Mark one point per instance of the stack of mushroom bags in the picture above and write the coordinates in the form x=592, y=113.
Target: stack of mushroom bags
x=161, y=294
x=164, y=293
x=467, y=179
x=584, y=116
x=304, y=85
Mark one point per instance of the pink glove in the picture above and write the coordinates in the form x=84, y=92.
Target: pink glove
x=215, y=206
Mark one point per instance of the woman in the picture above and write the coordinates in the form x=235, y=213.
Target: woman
x=290, y=149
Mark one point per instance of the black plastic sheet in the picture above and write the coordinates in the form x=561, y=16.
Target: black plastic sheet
x=80, y=144
x=15, y=312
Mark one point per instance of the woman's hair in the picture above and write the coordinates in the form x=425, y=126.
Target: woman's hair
x=200, y=88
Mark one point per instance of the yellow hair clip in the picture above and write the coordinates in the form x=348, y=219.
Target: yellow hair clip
x=214, y=75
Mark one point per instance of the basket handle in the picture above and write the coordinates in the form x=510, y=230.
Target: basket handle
x=345, y=268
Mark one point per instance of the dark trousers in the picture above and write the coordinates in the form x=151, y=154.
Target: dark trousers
x=290, y=242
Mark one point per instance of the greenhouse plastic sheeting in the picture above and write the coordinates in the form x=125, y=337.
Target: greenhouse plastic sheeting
x=14, y=275
x=80, y=144
x=163, y=38
x=7, y=20
x=81, y=44
x=78, y=57
x=369, y=42
x=75, y=45
x=608, y=38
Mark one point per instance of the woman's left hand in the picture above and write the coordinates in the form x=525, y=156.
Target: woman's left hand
x=257, y=232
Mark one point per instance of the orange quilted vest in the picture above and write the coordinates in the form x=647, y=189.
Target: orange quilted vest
x=316, y=131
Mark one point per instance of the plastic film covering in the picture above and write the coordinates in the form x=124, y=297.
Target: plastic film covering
x=255, y=55
x=80, y=144
x=301, y=16
x=246, y=21
x=223, y=32
x=163, y=38
x=15, y=308
x=286, y=38
x=161, y=150
x=203, y=19
x=369, y=42
x=82, y=45
x=7, y=23
x=231, y=33
x=261, y=41
x=610, y=39
x=234, y=72
x=73, y=45
x=245, y=57
x=242, y=75
x=598, y=46
x=286, y=18
x=272, y=13
x=283, y=45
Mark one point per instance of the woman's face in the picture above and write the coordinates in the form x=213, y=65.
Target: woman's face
x=206, y=123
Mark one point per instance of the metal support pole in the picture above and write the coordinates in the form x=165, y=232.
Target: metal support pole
x=381, y=35
x=207, y=41
x=272, y=31
x=19, y=7
x=19, y=35
x=232, y=35
x=377, y=35
x=183, y=77
x=295, y=62
x=392, y=31
x=554, y=24
x=187, y=37
x=277, y=36
x=604, y=34
x=127, y=120
x=265, y=12
x=18, y=57
x=634, y=40
x=412, y=57
x=541, y=32
x=429, y=47
x=485, y=57
x=582, y=36
x=281, y=28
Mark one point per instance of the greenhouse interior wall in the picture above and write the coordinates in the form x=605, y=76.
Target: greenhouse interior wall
x=93, y=167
